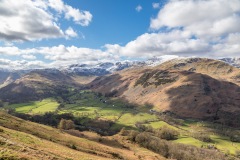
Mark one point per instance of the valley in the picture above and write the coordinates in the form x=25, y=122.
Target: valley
x=194, y=108
x=120, y=80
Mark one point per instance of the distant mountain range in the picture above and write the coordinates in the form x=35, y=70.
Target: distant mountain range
x=100, y=69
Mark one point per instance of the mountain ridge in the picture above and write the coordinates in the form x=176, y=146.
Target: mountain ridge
x=99, y=69
x=171, y=86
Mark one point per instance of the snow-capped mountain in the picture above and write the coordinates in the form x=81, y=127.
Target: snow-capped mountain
x=110, y=67
x=161, y=59
x=232, y=61
x=100, y=69
x=97, y=69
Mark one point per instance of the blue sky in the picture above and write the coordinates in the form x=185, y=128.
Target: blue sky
x=54, y=33
x=113, y=22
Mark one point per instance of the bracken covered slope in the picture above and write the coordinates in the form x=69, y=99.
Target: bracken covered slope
x=198, y=88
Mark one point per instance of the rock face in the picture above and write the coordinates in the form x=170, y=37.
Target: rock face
x=197, y=88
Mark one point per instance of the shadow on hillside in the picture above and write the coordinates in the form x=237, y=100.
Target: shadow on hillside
x=203, y=97
x=110, y=86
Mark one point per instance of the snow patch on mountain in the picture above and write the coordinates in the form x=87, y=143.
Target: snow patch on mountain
x=232, y=61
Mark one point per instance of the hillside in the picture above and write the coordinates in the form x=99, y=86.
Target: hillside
x=197, y=88
x=36, y=85
x=8, y=77
x=214, y=68
x=27, y=140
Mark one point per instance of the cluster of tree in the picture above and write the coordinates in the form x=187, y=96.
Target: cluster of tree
x=49, y=118
x=201, y=136
x=66, y=124
x=167, y=133
x=172, y=150
x=163, y=132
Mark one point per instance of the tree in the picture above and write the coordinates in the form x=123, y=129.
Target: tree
x=66, y=124
x=167, y=133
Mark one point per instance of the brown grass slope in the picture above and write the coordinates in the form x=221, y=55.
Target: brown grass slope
x=198, y=88
x=24, y=139
x=214, y=68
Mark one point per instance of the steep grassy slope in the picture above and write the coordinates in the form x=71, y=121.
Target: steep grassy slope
x=198, y=88
x=23, y=139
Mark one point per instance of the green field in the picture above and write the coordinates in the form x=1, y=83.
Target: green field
x=36, y=107
x=92, y=106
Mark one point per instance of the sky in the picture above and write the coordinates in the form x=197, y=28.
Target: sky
x=56, y=33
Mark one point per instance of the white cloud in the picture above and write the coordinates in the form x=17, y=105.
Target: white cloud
x=58, y=5
x=80, y=17
x=70, y=33
x=10, y=51
x=57, y=55
x=156, y=5
x=138, y=8
x=211, y=18
x=72, y=53
x=187, y=28
x=28, y=20
x=29, y=57
x=158, y=44
x=18, y=23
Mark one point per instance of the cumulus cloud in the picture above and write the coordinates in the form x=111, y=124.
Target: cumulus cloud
x=80, y=17
x=70, y=33
x=63, y=53
x=203, y=18
x=56, y=56
x=138, y=8
x=189, y=28
x=156, y=5
x=28, y=20
x=158, y=44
